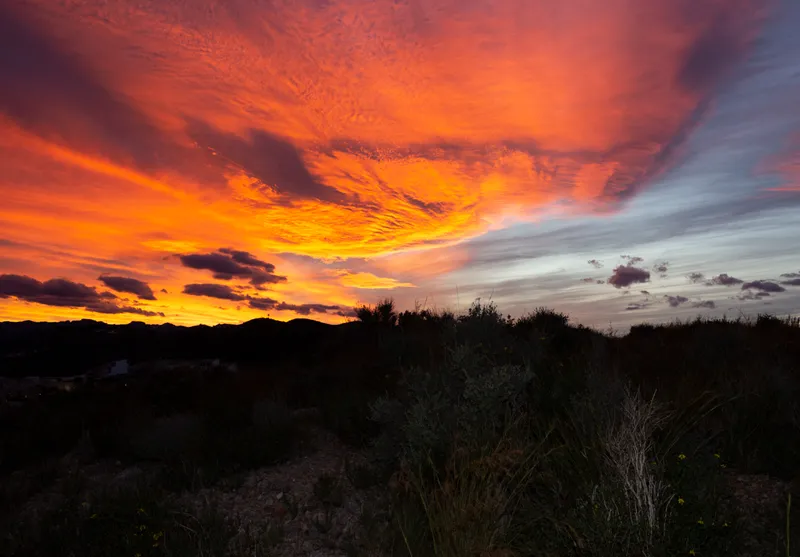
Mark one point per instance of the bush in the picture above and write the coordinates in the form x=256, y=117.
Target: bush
x=382, y=313
x=541, y=320
x=136, y=520
x=169, y=438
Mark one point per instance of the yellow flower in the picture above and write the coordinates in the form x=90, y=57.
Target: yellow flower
x=691, y=552
x=716, y=455
x=725, y=524
x=158, y=535
x=681, y=456
x=700, y=521
x=94, y=515
x=681, y=501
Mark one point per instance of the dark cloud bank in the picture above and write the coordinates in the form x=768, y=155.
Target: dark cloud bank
x=61, y=292
x=224, y=292
x=128, y=286
x=228, y=264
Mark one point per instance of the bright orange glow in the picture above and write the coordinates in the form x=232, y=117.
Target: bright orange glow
x=375, y=130
x=369, y=281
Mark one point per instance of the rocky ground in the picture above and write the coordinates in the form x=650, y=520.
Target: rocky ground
x=761, y=500
x=310, y=506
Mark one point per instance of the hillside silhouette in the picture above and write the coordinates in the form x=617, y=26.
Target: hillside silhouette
x=402, y=433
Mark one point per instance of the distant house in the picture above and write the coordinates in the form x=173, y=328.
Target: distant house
x=111, y=369
x=172, y=365
x=120, y=367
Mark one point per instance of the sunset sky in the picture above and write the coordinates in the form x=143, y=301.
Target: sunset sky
x=213, y=161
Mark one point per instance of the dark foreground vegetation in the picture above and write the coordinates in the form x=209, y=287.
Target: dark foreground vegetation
x=481, y=436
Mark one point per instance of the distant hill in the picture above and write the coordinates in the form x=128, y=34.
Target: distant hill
x=68, y=348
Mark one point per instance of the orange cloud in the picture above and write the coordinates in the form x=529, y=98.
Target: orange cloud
x=343, y=129
x=368, y=281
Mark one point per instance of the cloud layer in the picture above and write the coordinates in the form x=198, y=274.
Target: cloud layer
x=376, y=155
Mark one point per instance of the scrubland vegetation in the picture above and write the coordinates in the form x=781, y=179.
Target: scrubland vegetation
x=470, y=435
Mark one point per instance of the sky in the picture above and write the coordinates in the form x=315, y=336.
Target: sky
x=201, y=161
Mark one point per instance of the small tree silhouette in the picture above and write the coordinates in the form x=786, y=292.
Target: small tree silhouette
x=383, y=313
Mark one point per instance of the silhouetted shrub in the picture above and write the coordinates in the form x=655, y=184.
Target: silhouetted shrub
x=383, y=313
x=542, y=320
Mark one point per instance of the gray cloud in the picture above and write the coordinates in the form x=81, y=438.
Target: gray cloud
x=225, y=292
x=220, y=291
x=59, y=292
x=246, y=258
x=704, y=304
x=268, y=304
x=792, y=282
x=306, y=309
x=595, y=263
x=675, y=301
x=661, y=268
x=696, y=277
x=227, y=264
x=625, y=275
x=129, y=286
x=724, y=280
x=763, y=285
x=750, y=295
x=262, y=303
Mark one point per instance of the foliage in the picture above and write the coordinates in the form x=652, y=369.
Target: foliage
x=131, y=521
x=489, y=435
